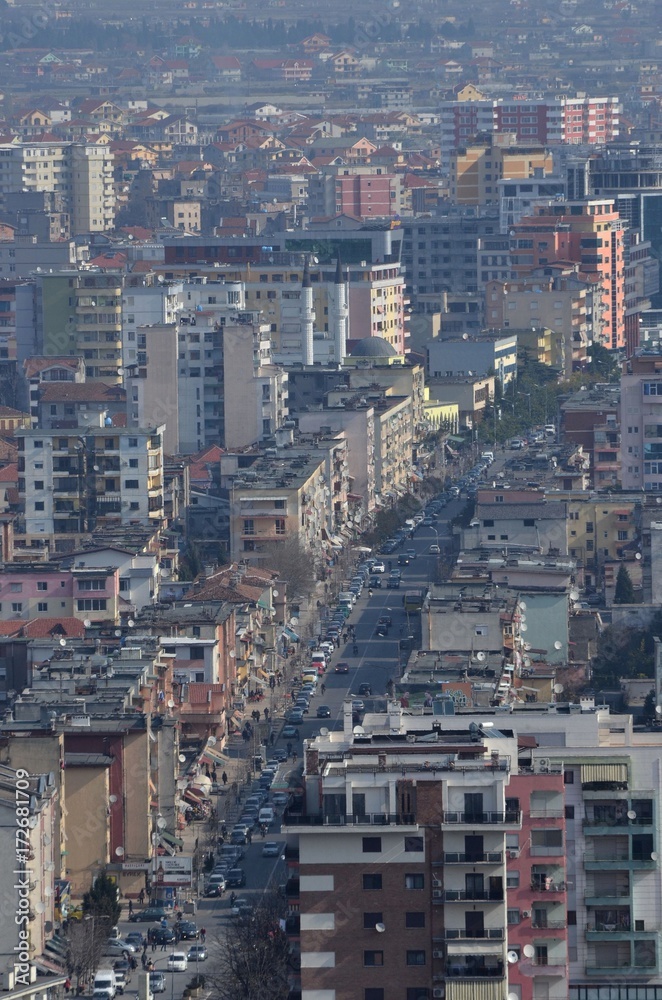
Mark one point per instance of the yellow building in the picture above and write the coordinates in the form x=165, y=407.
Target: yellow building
x=598, y=530
x=441, y=416
x=475, y=169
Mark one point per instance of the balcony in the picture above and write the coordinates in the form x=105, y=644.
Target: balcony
x=612, y=897
x=619, y=859
x=464, y=895
x=484, y=818
x=618, y=971
x=341, y=819
x=546, y=884
x=552, y=967
x=459, y=934
x=549, y=925
x=475, y=971
x=489, y=858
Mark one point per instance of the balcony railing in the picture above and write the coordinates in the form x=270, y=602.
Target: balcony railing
x=488, y=934
x=342, y=819
x=488, y=858
x=546, y=885
x=478, y=895
x=604, y=927
x=487, y=818
x=475, y=972
x=548, y=925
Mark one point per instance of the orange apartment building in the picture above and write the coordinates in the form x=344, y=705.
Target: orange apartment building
x=589, y=234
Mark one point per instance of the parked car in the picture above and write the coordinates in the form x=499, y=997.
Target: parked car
x=271, y=849
x=236, y=878
x=157, y=982
x=296, y=717
x=150, y=914
x=280, y=799
x=289, y=732
x=118, y=948
x=177, y=961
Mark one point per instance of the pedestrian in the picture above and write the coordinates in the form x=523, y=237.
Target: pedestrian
x=272, y=737
x=249, y=837
x=224, y=778
x=164, y=946
x=141, y=896
x=143, y=959
x=266, y=715
x=130, y=907
x=153, y=944
x=67, y=985
x=203, y=934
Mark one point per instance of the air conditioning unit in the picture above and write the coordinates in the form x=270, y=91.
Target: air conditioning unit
x=513, y=854
x=526, y=914
x=437, y=954
x=437, y=884
x=544, y=763
x=438, y=991
x=437, y=893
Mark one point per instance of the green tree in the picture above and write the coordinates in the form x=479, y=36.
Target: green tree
x=101, y=901
x=649, y=706
x=624, y=589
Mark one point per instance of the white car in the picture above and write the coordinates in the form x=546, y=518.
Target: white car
x=378, y=567
x=177, y=961
x=434, y=550
x=271, y=849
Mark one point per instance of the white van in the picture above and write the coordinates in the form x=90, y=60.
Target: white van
x=105, y=985
x=266, y=815
x=318, y=659
x=488, y=456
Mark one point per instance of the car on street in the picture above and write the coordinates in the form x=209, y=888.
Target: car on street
x=385, y=620
x=135, y=938
x=213, y=891
x=365, y=689
x=165, y=935
x=357, y=705
x=378, y=567
x=280, y=799
x=280, y=754
x=323, y=712
x=289, y=732
x=296, y=717
x=118, y=948
x=341, y=667
x=375, y=583
x=271, y=849
x=411, y=553
x=121, y=981
x=157, y=982
x=188, y=930
x=236, y=878
x=177, y=961
x=434, y=549
x=149, y=914
x=403, y=559
x=198, y=953
x=217, y=880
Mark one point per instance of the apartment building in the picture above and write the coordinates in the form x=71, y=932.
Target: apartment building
x=441, y=253
x=81, y=173
x=591, y=235
x=471, y=393
x=38, y=590
x=471, y=355
x=591, y=419
x=477, y=167
x=555, y=298
x=600, y=529
x=641, y=435
x=72, y=481
x=365, y=192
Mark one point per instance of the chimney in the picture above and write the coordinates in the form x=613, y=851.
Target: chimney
x=307, y=317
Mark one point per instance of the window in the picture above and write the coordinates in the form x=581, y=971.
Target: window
x=131, y=484
x=415, y=957
x=529, y=522
x=249, y=526
x=16, y=588
x=372, y=845
x=415, y=881
x=415, y=918
x=413, y=845
x=39, y=505
x=16, y=606
x=372, y=881
x=373, y=993
x=569, y=812
x=91, y=604
x=133, y=442
x=133, y=463
x=92, y=584
x=512, y=879
x=622, y=536
x=39, y=484
x=280, y=525
x=568, y=777
x=546, y=842
x=370, y=920
x=488, y=523
x=418, y=993
x=373, y=959
x=513, y=916
x=42, y=606
x=42, y=585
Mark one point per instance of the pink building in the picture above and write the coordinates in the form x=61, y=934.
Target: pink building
x=365, y=196
x=35, y=590
x=536, y=876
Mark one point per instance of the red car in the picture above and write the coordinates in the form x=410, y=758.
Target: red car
x=342, y=668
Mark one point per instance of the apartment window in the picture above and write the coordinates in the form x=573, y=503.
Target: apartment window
x=16, y=606
x=546, y=841
x=280, y=525
x=415, y=881
x=373, y=993
x=279, y=504
x=134, y=506
x=488, y=523
x=42, y=585
x=415, y=918
x=413, y=845
x=39, y=484
x=133, y=442
x=372, y=845
x=372, y=881
x=529, y=522
x=569, y=777
x=589, y=527
x=415, y=957
x=91, y=603
x=16, y=588
x=513, y=915
x=133, y=463
x=96, y=584
x=131, y=484
x=418, y=993
x=42, y=606
x=512, y=879
x=622, y=536
x=370, y=920
x=569, y=812
x=373, y=959
x=39, y=505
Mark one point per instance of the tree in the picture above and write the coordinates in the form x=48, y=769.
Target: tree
x=101, y=902
x=293, y=563
x=624, y=589
x=85, y=941
x=649, y=706
x=255, y=959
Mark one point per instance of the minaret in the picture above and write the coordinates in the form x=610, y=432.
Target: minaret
x=339, y=314
x=307, y=317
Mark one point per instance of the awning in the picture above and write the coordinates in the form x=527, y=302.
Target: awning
x=473, y=990
x=214, y=756
x=170, y=839
x=290, y=634
x=263, y=673
x=612, y=773
x=190, y=797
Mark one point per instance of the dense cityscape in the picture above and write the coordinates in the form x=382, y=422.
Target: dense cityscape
x=330, y=527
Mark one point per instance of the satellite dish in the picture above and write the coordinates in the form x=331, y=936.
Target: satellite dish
x=294, y=622
x=87, y=623
x=558, y=689
x=654, y=855
x=46, y=838
x=131, y=623
x=275, y=593
x=527, y=661
x=637, y=555
x=119, y=851
x=324, y=731
x=574, y=595
x=48, y=891
x=63, y=642
x=118, y=633
x=529, y=950
x=161, y=823
x=160, y=279
x=631, y=814
x=211, y=742
x=522, y=606
x=50, y=866
x=480, y=656
x=523, y=627
x=512, y=957
x=465, y=336
x=358, y=730
x=558, y=644
x=380, y=928
x=527, y=646
x=513, y=996
x=658, y=709
x=40, y=907
x=112, y=799
x=522, y=618
x=182, y=758
x=171, y=703
x=232, y=654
